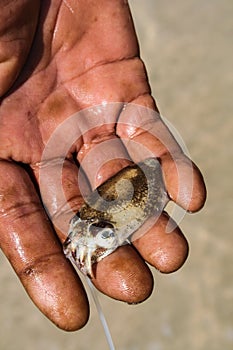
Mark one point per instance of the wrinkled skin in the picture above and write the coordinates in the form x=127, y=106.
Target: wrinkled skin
x=58, y=57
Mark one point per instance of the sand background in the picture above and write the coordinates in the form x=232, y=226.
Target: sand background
x=188, y=51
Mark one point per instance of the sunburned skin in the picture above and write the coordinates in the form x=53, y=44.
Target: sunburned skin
x=113, y=212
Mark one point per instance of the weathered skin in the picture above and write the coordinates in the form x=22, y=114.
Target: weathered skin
x=113, y=212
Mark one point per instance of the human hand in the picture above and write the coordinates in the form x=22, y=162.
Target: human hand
x=59, y=57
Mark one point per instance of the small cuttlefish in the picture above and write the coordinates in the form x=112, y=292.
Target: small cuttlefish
x=114, y=211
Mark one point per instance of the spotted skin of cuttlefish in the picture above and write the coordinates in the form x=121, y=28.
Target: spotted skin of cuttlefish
x=114, y=211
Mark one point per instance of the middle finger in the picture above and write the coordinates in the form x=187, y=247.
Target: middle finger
x=123, y=274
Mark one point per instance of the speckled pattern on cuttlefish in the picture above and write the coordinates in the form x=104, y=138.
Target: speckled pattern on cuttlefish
x=113, y=212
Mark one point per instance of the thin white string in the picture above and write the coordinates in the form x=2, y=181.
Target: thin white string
x=101, y=314
x=98, y=306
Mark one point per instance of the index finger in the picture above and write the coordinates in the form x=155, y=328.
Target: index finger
x=28, y=241
x=144, y=134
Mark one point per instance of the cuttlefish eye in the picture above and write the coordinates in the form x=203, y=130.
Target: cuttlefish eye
x=107, y=233
x=104, y=234
x=106, y=238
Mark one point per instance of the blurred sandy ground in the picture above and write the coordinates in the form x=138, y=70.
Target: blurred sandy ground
x=187, y=47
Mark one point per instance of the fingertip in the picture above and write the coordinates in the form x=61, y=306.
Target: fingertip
x=124, y=276
x=184, y=182
x=163, y=245
x=199, y=193
x=56, y=290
